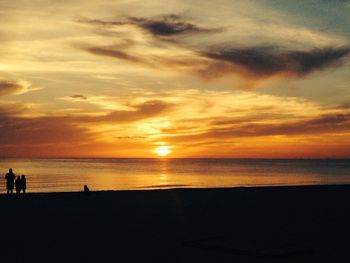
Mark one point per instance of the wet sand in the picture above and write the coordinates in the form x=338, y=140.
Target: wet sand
x=267, y=224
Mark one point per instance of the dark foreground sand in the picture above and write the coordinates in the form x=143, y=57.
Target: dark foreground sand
x=270, y=224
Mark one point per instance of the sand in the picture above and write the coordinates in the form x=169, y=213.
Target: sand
x=267, y=224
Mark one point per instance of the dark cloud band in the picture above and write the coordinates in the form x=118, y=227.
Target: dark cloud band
x=266, y=61
x=164, y=26
x=78, y=97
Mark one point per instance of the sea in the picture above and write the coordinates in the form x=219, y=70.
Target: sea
x=70, y=175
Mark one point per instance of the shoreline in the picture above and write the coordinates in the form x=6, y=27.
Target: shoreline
x=174, y=158
x=170, y=188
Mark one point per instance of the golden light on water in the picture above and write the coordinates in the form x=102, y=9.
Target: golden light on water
x=163, y=150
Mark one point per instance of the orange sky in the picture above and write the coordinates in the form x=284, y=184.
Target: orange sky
x=241, y=79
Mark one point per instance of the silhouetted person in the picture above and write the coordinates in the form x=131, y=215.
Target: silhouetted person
x=86, y=189
x=18, y=185
x=10, y=181
x=23, y=184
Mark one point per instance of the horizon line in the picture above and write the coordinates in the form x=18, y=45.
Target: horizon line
x=168, y=158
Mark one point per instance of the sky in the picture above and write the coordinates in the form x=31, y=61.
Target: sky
x=175, y=78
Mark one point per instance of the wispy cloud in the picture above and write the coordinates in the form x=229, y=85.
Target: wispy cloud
x=210, y=62
x=145, y=110
x=115, y=52
x=11, y=87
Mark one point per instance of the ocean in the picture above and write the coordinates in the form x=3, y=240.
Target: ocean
x=66, y=175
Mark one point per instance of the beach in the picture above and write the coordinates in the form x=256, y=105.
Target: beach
x=245, y=224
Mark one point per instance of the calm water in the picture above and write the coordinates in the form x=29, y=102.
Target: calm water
x=52, y=175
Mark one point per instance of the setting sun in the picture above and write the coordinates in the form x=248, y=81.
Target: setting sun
x=162, y=150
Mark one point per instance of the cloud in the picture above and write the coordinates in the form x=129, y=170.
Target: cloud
x=39, y=130
x=9, y=87
x=170, y=25
x=99, y=22
x=130, y=137
x=252, y=63
x=65, y=128
x=78, y=97
x=45, y=136
x=179, y=62
x=165, y=26
x=114, y=111
x=66, y=135
x=344, y=105
x=12, y=108
x=217, y=119
x=141, y=111
x=326, y=124
x=267, y=61
x=114, y=52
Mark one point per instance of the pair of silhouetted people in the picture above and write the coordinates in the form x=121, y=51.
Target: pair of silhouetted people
x=20, y=183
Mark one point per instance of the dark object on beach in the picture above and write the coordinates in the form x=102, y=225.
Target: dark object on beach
x=10, y=181
x=18, y=185
x=86, y=189
x=23, y=183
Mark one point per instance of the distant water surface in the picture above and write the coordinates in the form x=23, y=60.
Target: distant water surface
x=56, y=175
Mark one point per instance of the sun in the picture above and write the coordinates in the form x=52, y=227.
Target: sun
x=162, y=150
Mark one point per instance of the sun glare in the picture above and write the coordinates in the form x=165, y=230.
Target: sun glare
x=162, y=151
